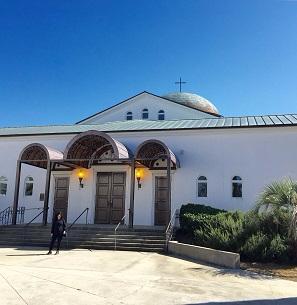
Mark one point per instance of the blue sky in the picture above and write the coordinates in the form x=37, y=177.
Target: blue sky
x=61, y=61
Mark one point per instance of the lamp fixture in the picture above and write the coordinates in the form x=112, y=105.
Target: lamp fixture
x=81, y=176
x=138, y=177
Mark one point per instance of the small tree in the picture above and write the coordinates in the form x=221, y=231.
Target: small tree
x=278, y=198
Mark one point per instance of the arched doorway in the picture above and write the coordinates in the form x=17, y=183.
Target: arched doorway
x=155, y=155
x=40, y=156
x=94, y=148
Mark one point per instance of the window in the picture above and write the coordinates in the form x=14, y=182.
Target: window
x=3, y=186
x=129, y=116
x=161, y=115
x=202, y=186
x=145, y=114
x=236, y=186
x=29, y=181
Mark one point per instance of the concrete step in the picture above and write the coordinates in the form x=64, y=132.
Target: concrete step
x=84, y=242
x=96, y=246
x=45, y=231
x=79, y=240
x=89, y=237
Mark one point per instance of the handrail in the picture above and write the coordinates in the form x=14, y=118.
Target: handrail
x=3, y=214
x=43, y=209
x=169, y=229
x=4, y=210
x=115, y=232
x=7, y=214
x=85, y=210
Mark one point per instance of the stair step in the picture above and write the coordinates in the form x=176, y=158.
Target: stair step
x=89, y=237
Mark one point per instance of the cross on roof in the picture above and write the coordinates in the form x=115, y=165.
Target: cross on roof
x=180, y=83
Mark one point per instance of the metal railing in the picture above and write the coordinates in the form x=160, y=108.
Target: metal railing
x=3, y=215
x=7, y=214
x=43, y=210
x=86, y=210
x=170, y=229
x=115, y=232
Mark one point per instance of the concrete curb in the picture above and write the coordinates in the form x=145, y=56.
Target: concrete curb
x=207, y=255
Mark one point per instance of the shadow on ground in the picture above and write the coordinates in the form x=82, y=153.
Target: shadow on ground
x=235, y=272
x=285, y=301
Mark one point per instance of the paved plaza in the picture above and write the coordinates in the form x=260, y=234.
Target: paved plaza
x=80, y=277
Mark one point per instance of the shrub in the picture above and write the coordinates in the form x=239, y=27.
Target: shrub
x=278, y=249
x=255, y=247
x=220, y=231
x=256, y=236
x=190, y=222
x=196, y=209
x=193, y=216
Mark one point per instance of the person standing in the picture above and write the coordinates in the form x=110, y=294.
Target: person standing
x=57, y=232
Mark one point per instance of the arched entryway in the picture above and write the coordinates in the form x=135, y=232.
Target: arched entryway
x=93, y=148
x=40, y=156
x=155, y=155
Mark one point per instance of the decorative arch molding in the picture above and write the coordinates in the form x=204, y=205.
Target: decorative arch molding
x=148, y=152
x=92, y=144
x=38, y=155
x=41, y=156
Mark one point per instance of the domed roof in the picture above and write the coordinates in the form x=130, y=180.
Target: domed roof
x=192, y=100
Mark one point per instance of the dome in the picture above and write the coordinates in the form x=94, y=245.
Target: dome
x=192, y=100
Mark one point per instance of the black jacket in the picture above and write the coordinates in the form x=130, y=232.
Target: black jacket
x=58, y=227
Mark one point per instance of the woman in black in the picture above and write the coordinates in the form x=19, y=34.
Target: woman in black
x=57, y=232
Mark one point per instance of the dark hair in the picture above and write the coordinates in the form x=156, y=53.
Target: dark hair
x=57, y=214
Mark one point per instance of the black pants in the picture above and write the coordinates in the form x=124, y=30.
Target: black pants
x=59, y=239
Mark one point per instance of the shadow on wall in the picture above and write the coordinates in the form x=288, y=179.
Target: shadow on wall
x=285, y=301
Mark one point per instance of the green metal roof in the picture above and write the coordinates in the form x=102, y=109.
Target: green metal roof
x=146, y=125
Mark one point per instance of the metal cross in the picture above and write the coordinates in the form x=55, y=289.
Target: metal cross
x=180, y=83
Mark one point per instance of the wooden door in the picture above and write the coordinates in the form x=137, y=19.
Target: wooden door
x=61, y=196
x=110, y=197
x=161, y=201
x=117, y=197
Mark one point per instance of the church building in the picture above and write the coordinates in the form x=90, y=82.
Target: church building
x=141, y=159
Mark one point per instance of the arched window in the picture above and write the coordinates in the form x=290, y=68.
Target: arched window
x=3, y=186
x=202, y=186
x=161, y=115
x=129, y=116
x=236, y=186
x=29, y=183
x=145, y=114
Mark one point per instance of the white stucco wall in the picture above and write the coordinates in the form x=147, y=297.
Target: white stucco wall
x=173, y=111
x=258, y=155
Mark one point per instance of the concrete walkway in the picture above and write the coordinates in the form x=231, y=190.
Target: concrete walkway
x=81, y=277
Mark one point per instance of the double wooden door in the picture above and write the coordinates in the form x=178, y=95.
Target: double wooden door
x=61, y=196
x=162, y=209
x=110, y=197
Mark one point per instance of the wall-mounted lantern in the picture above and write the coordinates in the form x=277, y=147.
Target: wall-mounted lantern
x=138, y=175
x=81, y=176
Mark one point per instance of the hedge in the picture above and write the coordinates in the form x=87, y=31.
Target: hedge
x=257, y=237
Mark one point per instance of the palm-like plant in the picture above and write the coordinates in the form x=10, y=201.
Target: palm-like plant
x=280, y=197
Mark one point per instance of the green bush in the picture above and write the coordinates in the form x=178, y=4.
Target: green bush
x=256, y=236
x=190, y=222
x=194, y=216
x=255, y=247
x=220, y=231
x=195, y=209
x=278, y=249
